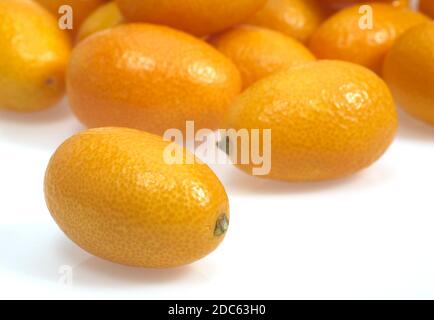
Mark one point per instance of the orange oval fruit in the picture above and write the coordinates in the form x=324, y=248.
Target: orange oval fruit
x=409, y=71
x=328, y=119
x=150, y=77
x=113, y=194
x=348, y=35
x=199, y=17
x=81, y=10
x=105, y=17
x=258, y=52
x=295, y=18
x=427, y=7
x=33, y=57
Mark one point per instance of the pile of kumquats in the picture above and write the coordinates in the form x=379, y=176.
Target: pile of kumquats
x=309, y=87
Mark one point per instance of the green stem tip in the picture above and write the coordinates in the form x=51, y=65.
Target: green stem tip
x=221, y=226
x=224, y=145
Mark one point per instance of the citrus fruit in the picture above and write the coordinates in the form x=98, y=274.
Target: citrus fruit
x=295, y=18
x=342, y=3
x=81, y=9
x=328, y=119
x=409, y=71
x=199, y=17
x=427, y=7
x=33, y=57
x=105, y=17
x=258, y=52
x=348, y=36
x=150, y=77
x=113, y=194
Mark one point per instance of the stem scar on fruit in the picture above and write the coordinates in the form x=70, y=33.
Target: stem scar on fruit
x=50, y=81
x=224, y=144
x=222, y=225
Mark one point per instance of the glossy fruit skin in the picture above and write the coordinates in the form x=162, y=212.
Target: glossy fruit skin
x=33, y=57
x=198, y=17
x=105, y=17
x=338, y=4
x=328, y=119
x=294, y=18
x=150, y=77
x=427, y=7
x=341, y=38
x=259, y=52
x=81, y=10
x=111, y=193
x=409, y=71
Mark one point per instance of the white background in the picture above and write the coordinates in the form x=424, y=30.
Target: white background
x=368, y=236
